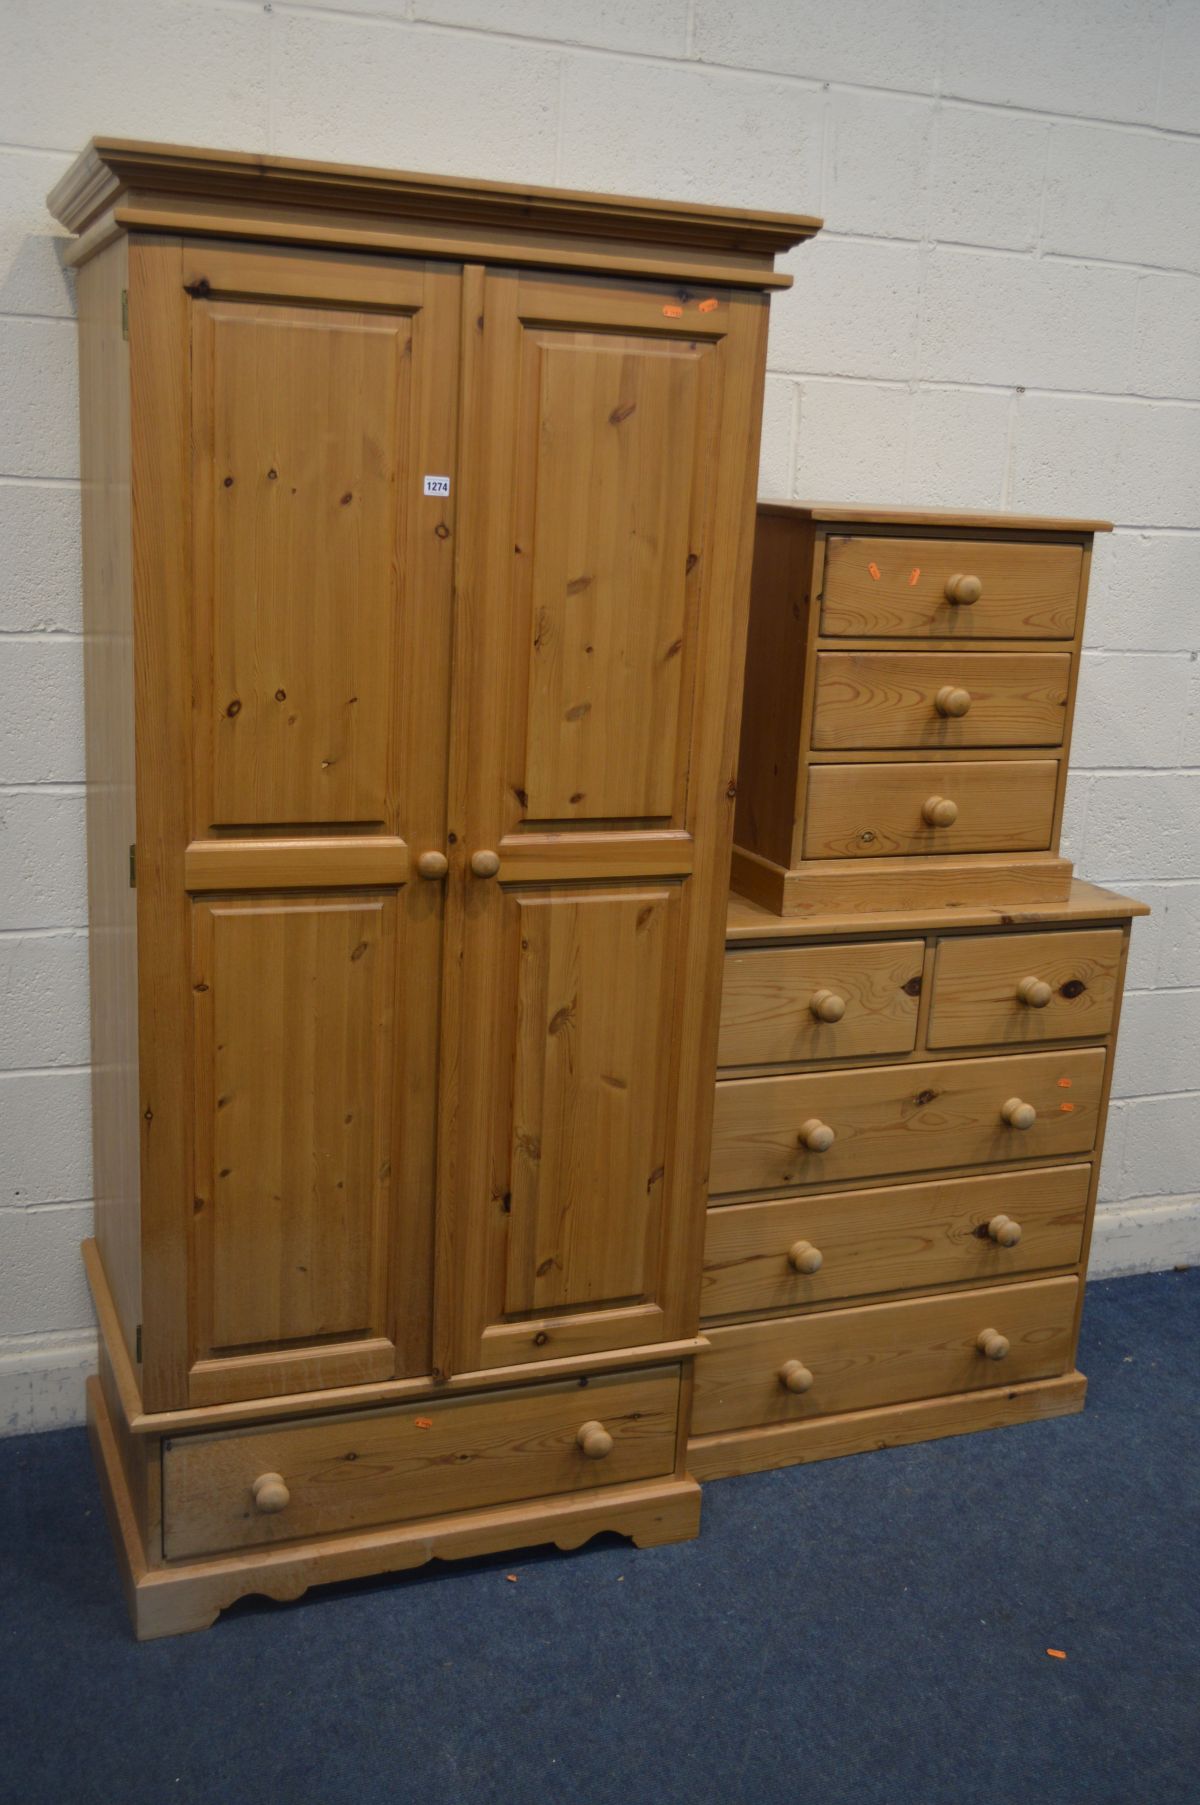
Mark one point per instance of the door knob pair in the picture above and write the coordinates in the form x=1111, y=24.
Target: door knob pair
x=436, y=864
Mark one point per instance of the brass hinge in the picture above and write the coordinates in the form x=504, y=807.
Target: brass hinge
x=138, y=1345
x=133, y=867
x=124, y=313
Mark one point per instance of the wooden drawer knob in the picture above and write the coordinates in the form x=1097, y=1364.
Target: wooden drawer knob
x=827, y=1006
x=804, y=1257
x=485, y=863
x=818, y=1137
x=1004, y=1230
x=951, y=701
x=963, y=590
x=271, y=1493
x=1018, y=1114
x=992, y=1343
x=595, y=1440
x=939, y=811
x=1035, y=992
x=795, y=1376
x=433, y=864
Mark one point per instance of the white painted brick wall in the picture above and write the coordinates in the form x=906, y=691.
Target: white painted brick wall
x=1003, y=311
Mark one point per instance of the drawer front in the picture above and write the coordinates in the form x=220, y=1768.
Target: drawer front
x=1021, y=989
x=776, y=1002
x=884, y=810
x=934, y=699
x=897, y=588
x=888, y=1120
x=924, y=1347
x=895, y=1238
x=422, y=1459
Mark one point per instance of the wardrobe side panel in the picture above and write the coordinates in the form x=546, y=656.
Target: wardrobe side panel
x=108, y=704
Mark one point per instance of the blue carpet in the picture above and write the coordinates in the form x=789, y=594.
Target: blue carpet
x=861, y=1630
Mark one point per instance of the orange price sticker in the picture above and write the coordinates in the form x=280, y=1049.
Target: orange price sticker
x=709, y=306
x=914, y=576
x=1066, y=1108
x=1064, y=1084
x=672, y=312
x=423, y=1422
x=1059, y=1654
x=874, y=570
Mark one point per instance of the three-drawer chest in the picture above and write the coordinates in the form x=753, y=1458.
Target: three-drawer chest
x=910, y=682
x=920, y=1003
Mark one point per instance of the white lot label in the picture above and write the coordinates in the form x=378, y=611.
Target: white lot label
x=437, y=485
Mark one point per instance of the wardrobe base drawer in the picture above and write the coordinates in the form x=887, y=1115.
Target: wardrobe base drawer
x=173, y=1597
x=281, y=1481
x=792, y=1368
x=797, y=1251
x=891, y=1426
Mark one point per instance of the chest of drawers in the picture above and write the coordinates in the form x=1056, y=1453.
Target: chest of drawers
x=910, y=682
x=906, y=1144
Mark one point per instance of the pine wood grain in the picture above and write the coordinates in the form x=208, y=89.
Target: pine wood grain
x=899, y=1119
x=893, y=1238
x=1030, y=591
x=419, y=1460
x=108, y=652
x=875, y=811
x=549, y=987
x=297, y=723
x=595, y=990
x=162, y=621
x=192, y=423
x=187, y=1595
x=113, y=165
x=749, y=921
x=890, y=699
x=777, y=654
x=291, y=1217
x=756, y=1450
x=296, y=864
x=767, y=997
x=882, y=1354
x=840, y=687
x=525, y=687
x=872, y=892
x=976, y=988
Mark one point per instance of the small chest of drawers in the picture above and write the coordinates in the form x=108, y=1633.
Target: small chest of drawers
x=910, y=681
x=906, y=1141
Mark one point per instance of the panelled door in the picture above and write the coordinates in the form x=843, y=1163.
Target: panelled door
x=311, y=644
x=604, y=519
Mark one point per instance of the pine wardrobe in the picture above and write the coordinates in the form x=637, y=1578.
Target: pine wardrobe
x=418, y=521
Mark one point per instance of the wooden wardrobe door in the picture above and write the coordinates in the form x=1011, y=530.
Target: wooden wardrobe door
x=608, y=453
x=308, y=626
